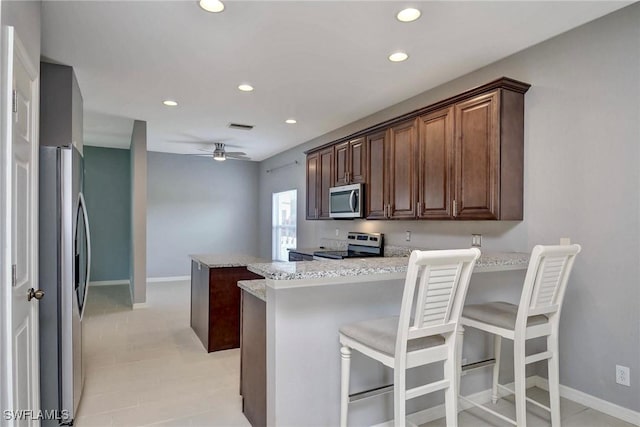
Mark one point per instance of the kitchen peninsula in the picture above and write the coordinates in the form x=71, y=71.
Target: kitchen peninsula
x=307, y=302
x=215, y=298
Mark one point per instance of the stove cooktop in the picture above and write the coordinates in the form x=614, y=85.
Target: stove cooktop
x=344, y=254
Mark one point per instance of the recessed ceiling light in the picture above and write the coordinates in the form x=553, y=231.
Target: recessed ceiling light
x=398, y=57
x=214, y=6
x=170, y=103
x=245, y=87
x=409, y=14
x=291, y=121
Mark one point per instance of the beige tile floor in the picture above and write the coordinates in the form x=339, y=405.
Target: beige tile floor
x=146, y=367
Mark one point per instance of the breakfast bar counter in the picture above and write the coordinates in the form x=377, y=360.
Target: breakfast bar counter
x=307, y=302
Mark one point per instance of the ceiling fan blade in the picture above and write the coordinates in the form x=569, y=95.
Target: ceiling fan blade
x=206, y=150
x=235, y=153
x=238, y=157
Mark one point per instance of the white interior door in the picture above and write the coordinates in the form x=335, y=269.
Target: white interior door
x=20, y=197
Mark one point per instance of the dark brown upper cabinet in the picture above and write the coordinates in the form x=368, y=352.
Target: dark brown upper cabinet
x=460, y=158
x=320, y=176
x=377, y=170
x=351, y=161
x=435, y=164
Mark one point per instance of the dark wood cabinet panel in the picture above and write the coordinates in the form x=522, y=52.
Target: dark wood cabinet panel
x=375, y=189
x=215, y=305
x=326, y=182
x=350, y=165
x=357, y=161
x=435, y=164
x=313, y=169
x=402, y=170
x=341, y=152
x=253, y=360
x=477, y=162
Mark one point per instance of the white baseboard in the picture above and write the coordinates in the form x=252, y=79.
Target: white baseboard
x=167, y=279
x=108, y=282
x=590, y=401
x=138, y=305
x=437, y=412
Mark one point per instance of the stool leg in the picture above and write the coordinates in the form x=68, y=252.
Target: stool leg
x=459, y=346
x=497, y=346
x=554, y=380
x=345, y=353
x=399, y=396
x=451, y=370
x=520, y=382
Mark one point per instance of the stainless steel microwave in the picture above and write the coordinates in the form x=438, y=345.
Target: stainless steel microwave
x=346, y=201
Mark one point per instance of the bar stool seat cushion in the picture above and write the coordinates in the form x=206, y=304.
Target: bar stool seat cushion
x=499, y=313
x=380, y=334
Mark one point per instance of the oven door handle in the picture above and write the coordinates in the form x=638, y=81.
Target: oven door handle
x=352, y=200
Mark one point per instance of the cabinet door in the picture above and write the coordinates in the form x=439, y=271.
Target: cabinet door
x=477, y=160
x=375, y=189
x=313, y=170
x=402, y=170
x=435, y=164
x=357, y=161
x=326, y=181
x=341, y=152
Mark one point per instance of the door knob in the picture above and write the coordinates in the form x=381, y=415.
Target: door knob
x=39, y=294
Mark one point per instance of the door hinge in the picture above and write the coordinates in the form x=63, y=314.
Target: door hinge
x=14, y=101
x=13, y=275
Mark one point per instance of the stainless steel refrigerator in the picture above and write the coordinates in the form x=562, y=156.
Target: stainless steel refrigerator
x=65, y=259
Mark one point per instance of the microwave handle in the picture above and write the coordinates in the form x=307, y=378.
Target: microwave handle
x=352, y=200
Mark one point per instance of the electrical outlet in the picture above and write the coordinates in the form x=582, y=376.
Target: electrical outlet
x=623, y=375
x=337, y=231
x=476, y=240
x=408, y=236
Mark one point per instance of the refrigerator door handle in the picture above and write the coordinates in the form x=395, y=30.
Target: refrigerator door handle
x=88, y=254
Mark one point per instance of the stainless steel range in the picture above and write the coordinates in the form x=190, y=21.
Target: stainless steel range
x=361, y=245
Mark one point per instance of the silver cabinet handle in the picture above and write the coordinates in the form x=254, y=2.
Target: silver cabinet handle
x=455, y=208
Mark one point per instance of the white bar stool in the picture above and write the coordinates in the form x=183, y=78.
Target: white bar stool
x=537, y=315
x=401, y=342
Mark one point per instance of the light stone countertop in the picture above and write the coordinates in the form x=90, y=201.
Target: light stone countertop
x=257, y=287
x=394, y=266
x=224, y=260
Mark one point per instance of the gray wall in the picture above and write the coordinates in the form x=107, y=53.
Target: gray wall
x=107, y=191
x=581, y=181
x=138, y=273
x=198, y=205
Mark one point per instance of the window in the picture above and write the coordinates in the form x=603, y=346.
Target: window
x=284, y=223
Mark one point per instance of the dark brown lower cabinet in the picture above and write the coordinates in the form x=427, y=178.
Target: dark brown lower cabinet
x=215, y=305
x=253, y=359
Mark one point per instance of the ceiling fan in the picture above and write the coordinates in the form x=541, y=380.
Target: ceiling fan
x=220, y=154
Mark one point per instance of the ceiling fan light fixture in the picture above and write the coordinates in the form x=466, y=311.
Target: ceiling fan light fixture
x=213, y=6
x=409, y=14
x=219, y=156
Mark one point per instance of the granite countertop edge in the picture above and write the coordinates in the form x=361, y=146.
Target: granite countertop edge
x=221, y=260
x=488, y=262
x=257, y=288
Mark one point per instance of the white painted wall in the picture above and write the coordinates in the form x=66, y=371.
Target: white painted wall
x=138, y=266
x=582, y=129
x=197, y=205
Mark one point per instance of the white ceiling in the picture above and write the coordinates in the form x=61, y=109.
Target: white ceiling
x=321, y=62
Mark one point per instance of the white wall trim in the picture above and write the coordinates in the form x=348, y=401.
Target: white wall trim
x=437, y=412
x=596, y=403
x=109, y=282
x=137, y=305
x=167, y=279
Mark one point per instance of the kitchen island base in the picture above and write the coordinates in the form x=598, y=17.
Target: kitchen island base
x=215, y=304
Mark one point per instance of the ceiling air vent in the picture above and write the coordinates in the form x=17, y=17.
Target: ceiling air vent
x=240, y=126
